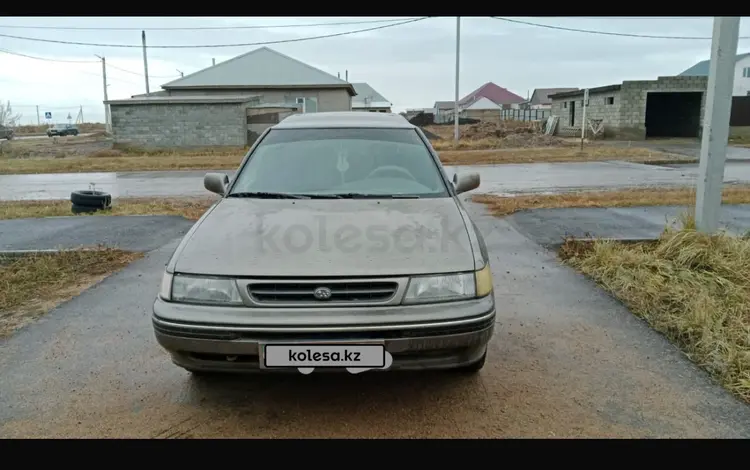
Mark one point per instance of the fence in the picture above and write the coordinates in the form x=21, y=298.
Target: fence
x=740, y=116
x=524, y=114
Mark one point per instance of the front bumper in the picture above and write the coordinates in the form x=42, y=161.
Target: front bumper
x=453, y=335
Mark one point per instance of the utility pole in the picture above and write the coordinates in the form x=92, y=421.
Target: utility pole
x=107, y=124
x=38, y=121
x=145, y=59
x=458, y=56
x=81, y=113
x=583, y=118
x=716, y=123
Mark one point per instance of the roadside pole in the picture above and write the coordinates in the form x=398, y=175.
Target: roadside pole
x=583, y=118
x=458, y=56
x=38, y=120
x=107, y=125
x=145, y=59
x=716, y=123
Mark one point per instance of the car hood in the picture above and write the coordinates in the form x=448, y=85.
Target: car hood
x=324, y=237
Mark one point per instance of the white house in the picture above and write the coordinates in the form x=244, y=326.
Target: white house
x=741, y=73
x=367, y=99
x=483, y=103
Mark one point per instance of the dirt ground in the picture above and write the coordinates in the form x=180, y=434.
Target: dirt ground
x=55, y=147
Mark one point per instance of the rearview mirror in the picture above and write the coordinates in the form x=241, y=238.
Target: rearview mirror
x=216, y=182
x=465, y=182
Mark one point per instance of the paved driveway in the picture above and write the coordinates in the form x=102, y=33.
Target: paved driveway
x=566, y=360
x=496, y=179
x=551, y=226
x=134, y=233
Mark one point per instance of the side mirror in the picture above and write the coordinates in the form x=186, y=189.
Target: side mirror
x=465, y=182
x=216, y=183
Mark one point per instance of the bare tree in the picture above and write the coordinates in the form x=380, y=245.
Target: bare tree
x=7, y=118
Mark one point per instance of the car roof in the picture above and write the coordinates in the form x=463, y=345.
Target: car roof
x=345, y=119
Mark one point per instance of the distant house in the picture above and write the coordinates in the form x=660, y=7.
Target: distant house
x=367, y=99
x=443, y=111
x=741, y=73
x=540, y=99
x=481, y=104
x=636, y=109
x=229, y=103
x=496, y=94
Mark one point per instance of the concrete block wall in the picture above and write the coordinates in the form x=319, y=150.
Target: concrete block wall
x=632, y=123
x=597, y=109
x=179, y=125
x=626, y=118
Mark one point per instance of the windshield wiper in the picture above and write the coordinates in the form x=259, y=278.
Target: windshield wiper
x=267, y=195
x=375, y=196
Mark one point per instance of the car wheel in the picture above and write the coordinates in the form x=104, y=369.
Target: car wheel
x=474, y=367
x=96, y=199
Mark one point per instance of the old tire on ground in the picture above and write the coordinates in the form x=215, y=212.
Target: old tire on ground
x=474, y=367
x=76, y=209
x=98, y=199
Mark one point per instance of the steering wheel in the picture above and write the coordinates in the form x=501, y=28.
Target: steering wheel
x=397, y=171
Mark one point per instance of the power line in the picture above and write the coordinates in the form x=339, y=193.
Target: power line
x=70, y=61
x=83, y=62
x=50, y=60
x=605, y=33
x=138, y=73
x=264, y=43
x=197, y=28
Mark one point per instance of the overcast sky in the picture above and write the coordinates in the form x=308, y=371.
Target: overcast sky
x=412, y=65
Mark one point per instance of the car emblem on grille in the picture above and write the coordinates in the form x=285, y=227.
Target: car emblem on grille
x=322, y=293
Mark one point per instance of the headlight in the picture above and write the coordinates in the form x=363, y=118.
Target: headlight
x=440, y=288
x=165, y=291
x=449, y=287
x=204, y=290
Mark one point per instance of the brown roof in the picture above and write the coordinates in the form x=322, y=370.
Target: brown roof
x=492, y=92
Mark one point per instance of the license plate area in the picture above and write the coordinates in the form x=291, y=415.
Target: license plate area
x=322, y=354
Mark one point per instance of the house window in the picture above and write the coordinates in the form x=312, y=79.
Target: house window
x=610, y=100
x=565, y=104
x=746, y=72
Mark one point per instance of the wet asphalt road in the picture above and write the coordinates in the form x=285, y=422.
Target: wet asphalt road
x=496, y=179
x=566, y=360
x=133, y=233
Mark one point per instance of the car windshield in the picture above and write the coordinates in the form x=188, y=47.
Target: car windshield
x=352, y=162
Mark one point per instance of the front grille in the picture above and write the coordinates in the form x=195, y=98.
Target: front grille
x=341, y=292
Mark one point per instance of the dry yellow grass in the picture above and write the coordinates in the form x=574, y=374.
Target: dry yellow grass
x=32, y=285
x=557, y=155
x=190, y=208
x=691, y=287
x=500, y=206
